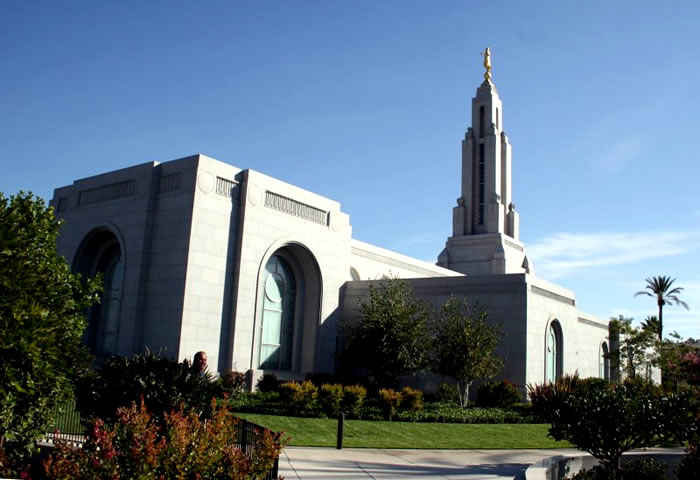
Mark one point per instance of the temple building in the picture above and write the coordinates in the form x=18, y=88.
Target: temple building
x=198, y=254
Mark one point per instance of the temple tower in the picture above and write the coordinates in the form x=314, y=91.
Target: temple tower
x=485, y=225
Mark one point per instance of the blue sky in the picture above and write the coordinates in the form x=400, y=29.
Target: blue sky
x=366, y=102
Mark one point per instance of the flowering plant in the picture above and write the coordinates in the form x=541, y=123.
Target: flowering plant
x=185, y=447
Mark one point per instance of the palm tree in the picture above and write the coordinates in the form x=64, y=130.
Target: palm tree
x=651, y=323
x=660, y=288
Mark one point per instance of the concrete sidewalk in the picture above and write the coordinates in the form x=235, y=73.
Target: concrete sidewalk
x=362, y=463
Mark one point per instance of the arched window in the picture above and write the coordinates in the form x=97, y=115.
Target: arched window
x=101, y=252
x=279, y=299
x=604, y=361
x=553, y=352
x=353, y=274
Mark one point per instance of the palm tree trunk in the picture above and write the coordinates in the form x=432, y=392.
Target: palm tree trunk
x=661, y=320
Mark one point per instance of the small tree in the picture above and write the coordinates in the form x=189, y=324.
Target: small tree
x=41, y=319
x=680, y=362
x=607, y=420
x=464, y=345
x=636, y=350
x=391, y=338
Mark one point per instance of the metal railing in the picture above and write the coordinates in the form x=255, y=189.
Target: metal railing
x=67, y=427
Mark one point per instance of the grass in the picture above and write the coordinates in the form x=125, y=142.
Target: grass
x=321, y=432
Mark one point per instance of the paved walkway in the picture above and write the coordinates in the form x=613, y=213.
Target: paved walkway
x=362, y=463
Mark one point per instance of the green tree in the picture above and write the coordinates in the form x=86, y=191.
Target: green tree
x=636, y=350
x=41, y=319
x=651, y=323
x=607, y=420
x=680, y=363
x=391, y=338
x=464, y=345
x=661, y=289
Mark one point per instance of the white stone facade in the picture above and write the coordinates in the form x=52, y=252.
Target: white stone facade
x=201, y=255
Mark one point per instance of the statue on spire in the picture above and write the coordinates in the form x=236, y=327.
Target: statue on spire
x=487, y=63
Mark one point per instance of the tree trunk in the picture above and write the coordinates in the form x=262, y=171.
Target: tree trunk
x=464, y=394
x=661, y=319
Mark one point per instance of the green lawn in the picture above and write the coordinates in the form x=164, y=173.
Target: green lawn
x=318, y=432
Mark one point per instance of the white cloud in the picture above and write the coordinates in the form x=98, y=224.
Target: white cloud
x=563, y=254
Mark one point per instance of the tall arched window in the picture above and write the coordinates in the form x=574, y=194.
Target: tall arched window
x=553, y=352
x=100, y=252
x=604, y=361
x=279, y=299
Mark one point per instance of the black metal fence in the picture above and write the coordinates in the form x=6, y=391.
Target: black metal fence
x=67, y=426
x=245, y=441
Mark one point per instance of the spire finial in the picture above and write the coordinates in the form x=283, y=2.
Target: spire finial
x=487, y=63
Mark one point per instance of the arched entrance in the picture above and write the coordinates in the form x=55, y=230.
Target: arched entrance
x=101, y=252
x=288, y=311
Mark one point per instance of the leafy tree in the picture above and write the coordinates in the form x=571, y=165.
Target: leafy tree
x=636, y=351
x=41, y=319
x=607, y=420
x=391, y=338
x=464, y=345
x=680, y=362
x=660, y=289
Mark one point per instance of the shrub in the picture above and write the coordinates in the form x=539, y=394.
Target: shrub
x=163, y=383
x=184, y=447
x=268, y=383
x=643, y=416
x=448, y=392
x=690, y=464
x=645, y=468
x=503, y=394
x=453, y=413
x=231, y=383
x=300, y=397
x=330, y=397
x=389, y=400
x=411, y=399
x=353, y=398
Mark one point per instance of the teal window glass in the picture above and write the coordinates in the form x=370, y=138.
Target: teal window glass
x=279, y=298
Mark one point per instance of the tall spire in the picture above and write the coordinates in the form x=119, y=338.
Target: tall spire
x=485, y=225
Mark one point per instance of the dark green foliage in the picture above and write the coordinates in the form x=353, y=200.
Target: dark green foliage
x=607, y=420
x=448, y=393
x=689, y=466
x=230, y=383
x=645, y=468
x=546, y=397
x=41, y=320
x=595, y=473
x=453, y=413
x=641, y=468
x=163, y=383
x=391, y=338
x=464, y=345
x=503, y=394
x=268, y=383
